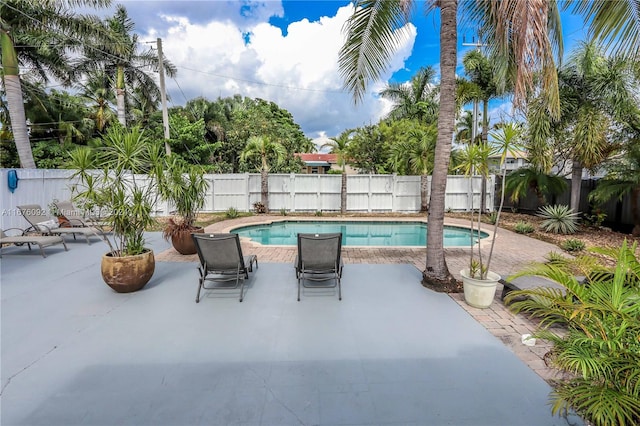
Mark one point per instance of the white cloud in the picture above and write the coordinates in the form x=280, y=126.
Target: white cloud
x=298, y=71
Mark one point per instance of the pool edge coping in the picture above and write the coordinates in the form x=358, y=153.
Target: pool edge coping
x=268, y=220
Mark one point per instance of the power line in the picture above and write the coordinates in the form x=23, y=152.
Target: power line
x=281, y=86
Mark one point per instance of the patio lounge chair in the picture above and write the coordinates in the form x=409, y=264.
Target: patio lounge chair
x=319, y=259
x=41, y=241
x=41, y=223
x=222, y=261
x=75, y=217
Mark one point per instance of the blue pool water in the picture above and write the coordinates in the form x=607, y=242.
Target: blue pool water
x=392, y=234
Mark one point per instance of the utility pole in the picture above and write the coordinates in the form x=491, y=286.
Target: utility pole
x=163, y=97
x=474, y=131
x=474, y=127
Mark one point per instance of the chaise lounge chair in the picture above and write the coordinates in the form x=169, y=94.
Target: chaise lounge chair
x=75, y=217
x=222, y=261
x=41, y=241
x=41, y=223
x=319, y=259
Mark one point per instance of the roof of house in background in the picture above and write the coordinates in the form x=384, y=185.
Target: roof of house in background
x=318, y=158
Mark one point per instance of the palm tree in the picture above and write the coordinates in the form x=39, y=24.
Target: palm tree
x=464, y=128
x=417, y=99
x=515, y=29
x=39, y=35
x=123, y=64
x=262, y=148
x=96, y=93
x=415, y=155
x=596, y=92
x=339, y=146
x=519, y=182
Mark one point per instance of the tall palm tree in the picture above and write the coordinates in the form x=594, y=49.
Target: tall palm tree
x=480, y=71
x=339, y=146
x=95, y=91
x=416, y=99
x=516, y=29
x=596, y=93
x=39, y=35
x=124, y=64
x=464, y=128
x=262, y=148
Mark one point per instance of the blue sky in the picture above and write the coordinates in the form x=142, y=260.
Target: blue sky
x=286, y=52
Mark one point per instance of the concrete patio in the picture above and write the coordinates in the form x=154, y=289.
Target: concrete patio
x=391, y=352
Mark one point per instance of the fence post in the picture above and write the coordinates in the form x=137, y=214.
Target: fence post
x=248, y=191
x=292, y=191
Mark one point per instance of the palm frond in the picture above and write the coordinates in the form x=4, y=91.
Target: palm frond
x=373, y=33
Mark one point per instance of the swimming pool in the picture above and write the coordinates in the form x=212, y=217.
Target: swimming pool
x=355, y=233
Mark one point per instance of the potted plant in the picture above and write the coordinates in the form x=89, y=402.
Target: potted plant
x=184, y=186
x=479, y=282
x=126, y=197
x=55, y=211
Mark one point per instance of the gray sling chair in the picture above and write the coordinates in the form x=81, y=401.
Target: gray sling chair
x=42, y=223
x=319, y=259
x=41, y=241
x=222, y=261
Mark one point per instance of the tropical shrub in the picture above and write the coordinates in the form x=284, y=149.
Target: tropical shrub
x=492, y=218
x=555, y=258
x=595, y=329
x=595, y=218
x=523, y=227
x=572, y=245
x=231, y=213
x=558, y=219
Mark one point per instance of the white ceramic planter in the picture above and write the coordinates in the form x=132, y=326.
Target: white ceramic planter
x=479, y=293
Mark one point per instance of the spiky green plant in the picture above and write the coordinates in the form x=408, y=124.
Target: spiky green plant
x=523, y=227
x=558, y=219
x=573, y=244
x=598, y=341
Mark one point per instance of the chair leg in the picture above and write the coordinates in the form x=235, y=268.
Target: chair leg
x=200, y=283
x=238, y=278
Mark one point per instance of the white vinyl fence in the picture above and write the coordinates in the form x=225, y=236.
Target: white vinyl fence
x=292, y=192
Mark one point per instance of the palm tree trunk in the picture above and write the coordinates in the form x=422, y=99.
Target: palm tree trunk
x=120, y=97
x=436, y=270
x=264, y=188
x=424, y=200
x=343, y=193
x=15, y=102
x=576, y=184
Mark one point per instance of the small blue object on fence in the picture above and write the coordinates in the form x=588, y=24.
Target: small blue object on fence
x=12, y=180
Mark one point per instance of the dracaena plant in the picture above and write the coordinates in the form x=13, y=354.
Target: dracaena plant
x=506, y=141
x=109, y=178
x=184, y=186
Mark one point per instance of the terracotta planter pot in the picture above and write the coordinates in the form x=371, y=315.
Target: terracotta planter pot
x=183, y=243
x=128, y=273
x=479, y=293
